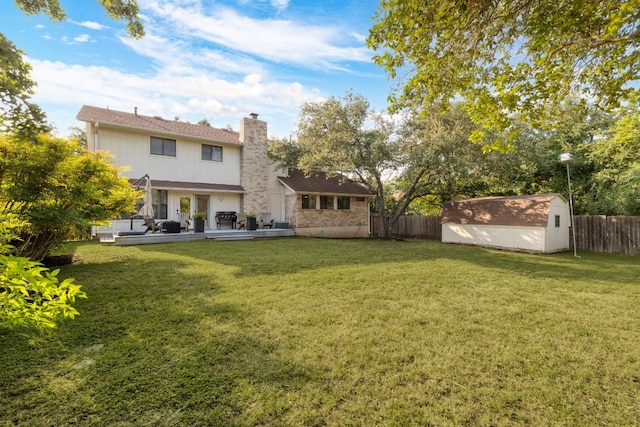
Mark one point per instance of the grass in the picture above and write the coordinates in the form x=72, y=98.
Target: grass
x=314, y=332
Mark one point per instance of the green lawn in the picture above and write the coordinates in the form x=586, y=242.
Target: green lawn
x=313, y=332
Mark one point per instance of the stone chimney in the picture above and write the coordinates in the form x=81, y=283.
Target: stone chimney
x=253, y=165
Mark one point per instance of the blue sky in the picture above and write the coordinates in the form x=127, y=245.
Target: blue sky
x=219, y=60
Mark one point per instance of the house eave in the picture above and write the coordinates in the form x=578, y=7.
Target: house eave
x=190, y=186
x=163, y=132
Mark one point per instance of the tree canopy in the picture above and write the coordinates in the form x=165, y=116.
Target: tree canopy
x=116, y=9
x=428, y=155
x=17, y=113
x=508, y=59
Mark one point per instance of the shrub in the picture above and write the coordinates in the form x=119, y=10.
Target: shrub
x=30, y=294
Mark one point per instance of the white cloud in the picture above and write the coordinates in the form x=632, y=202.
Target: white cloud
x=177, y=54
x=361, y=38
x=82, y=38
x=191, y=97
x=91, y=25
x=280, y=4
x=275, y=40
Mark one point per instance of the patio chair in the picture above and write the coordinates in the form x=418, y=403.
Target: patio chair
x=152, y=225
x=266, y=221
x=184, y=221
x=241, y=222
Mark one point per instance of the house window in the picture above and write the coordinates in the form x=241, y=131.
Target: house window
x=557, y=220
x=344, y=202
x=308, y=201
x=211, y=152
x=163, y=147
x=326, y=202
x=159, y=198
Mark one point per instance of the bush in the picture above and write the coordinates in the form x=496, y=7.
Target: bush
x=59, y=189
x=30, y=294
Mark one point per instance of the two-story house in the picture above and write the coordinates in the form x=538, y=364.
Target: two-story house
x=199, y=168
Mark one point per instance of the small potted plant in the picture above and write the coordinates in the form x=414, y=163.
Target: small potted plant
x=252, y=222
x=198, y=222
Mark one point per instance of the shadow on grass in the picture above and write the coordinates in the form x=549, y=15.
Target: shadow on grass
x=141, y=353
x=174, y=354
x=293, y=255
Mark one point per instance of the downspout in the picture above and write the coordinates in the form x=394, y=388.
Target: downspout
x=369, y=216
x=96, y=125
x=94, y=229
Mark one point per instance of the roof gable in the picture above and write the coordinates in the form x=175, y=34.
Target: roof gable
x=532, y=211
x=321, y=183
x=155, y=124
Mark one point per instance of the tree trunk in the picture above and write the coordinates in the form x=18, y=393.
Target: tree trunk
x=384, y=230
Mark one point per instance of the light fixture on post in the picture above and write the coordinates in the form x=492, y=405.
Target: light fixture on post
x=565, y=159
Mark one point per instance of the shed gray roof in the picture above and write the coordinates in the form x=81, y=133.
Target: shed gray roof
x=532, y=211
x=320, y=183
x=155, y=124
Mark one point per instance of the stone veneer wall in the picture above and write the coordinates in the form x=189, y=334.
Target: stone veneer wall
x=253, y=165
x=290, y=210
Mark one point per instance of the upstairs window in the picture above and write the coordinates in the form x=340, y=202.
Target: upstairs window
x=211, y=152
x=557, y=220
x=163, y=146
x=344, y=202
x=326, y=202
x=308, y=201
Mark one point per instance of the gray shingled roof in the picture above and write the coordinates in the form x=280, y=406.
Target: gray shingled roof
x=155, y=124
x=183, y=185
x=319, y=183
x=530, y=210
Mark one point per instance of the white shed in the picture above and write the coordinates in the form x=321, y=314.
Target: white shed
x=536, y=223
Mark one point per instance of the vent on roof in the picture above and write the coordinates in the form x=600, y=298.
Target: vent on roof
x=158, y=118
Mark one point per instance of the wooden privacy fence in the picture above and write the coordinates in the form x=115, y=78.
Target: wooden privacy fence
x=423, y=227
x=609, y=234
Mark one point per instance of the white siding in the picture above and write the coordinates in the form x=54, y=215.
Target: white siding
x=186, y=166
x=523, y=238
x=557, y=238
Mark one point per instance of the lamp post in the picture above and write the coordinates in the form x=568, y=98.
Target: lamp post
x=565, y=159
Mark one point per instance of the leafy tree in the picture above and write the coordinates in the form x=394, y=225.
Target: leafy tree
x=58, y=189
x=532, y=166
x=439, y=147
x=345, y=136
x=30, y=294
x=285, y=151
x=116, y=9
x=508, y=59
x=399, y=164
x=614, y=185
x=16, y=87
x=78, y=134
